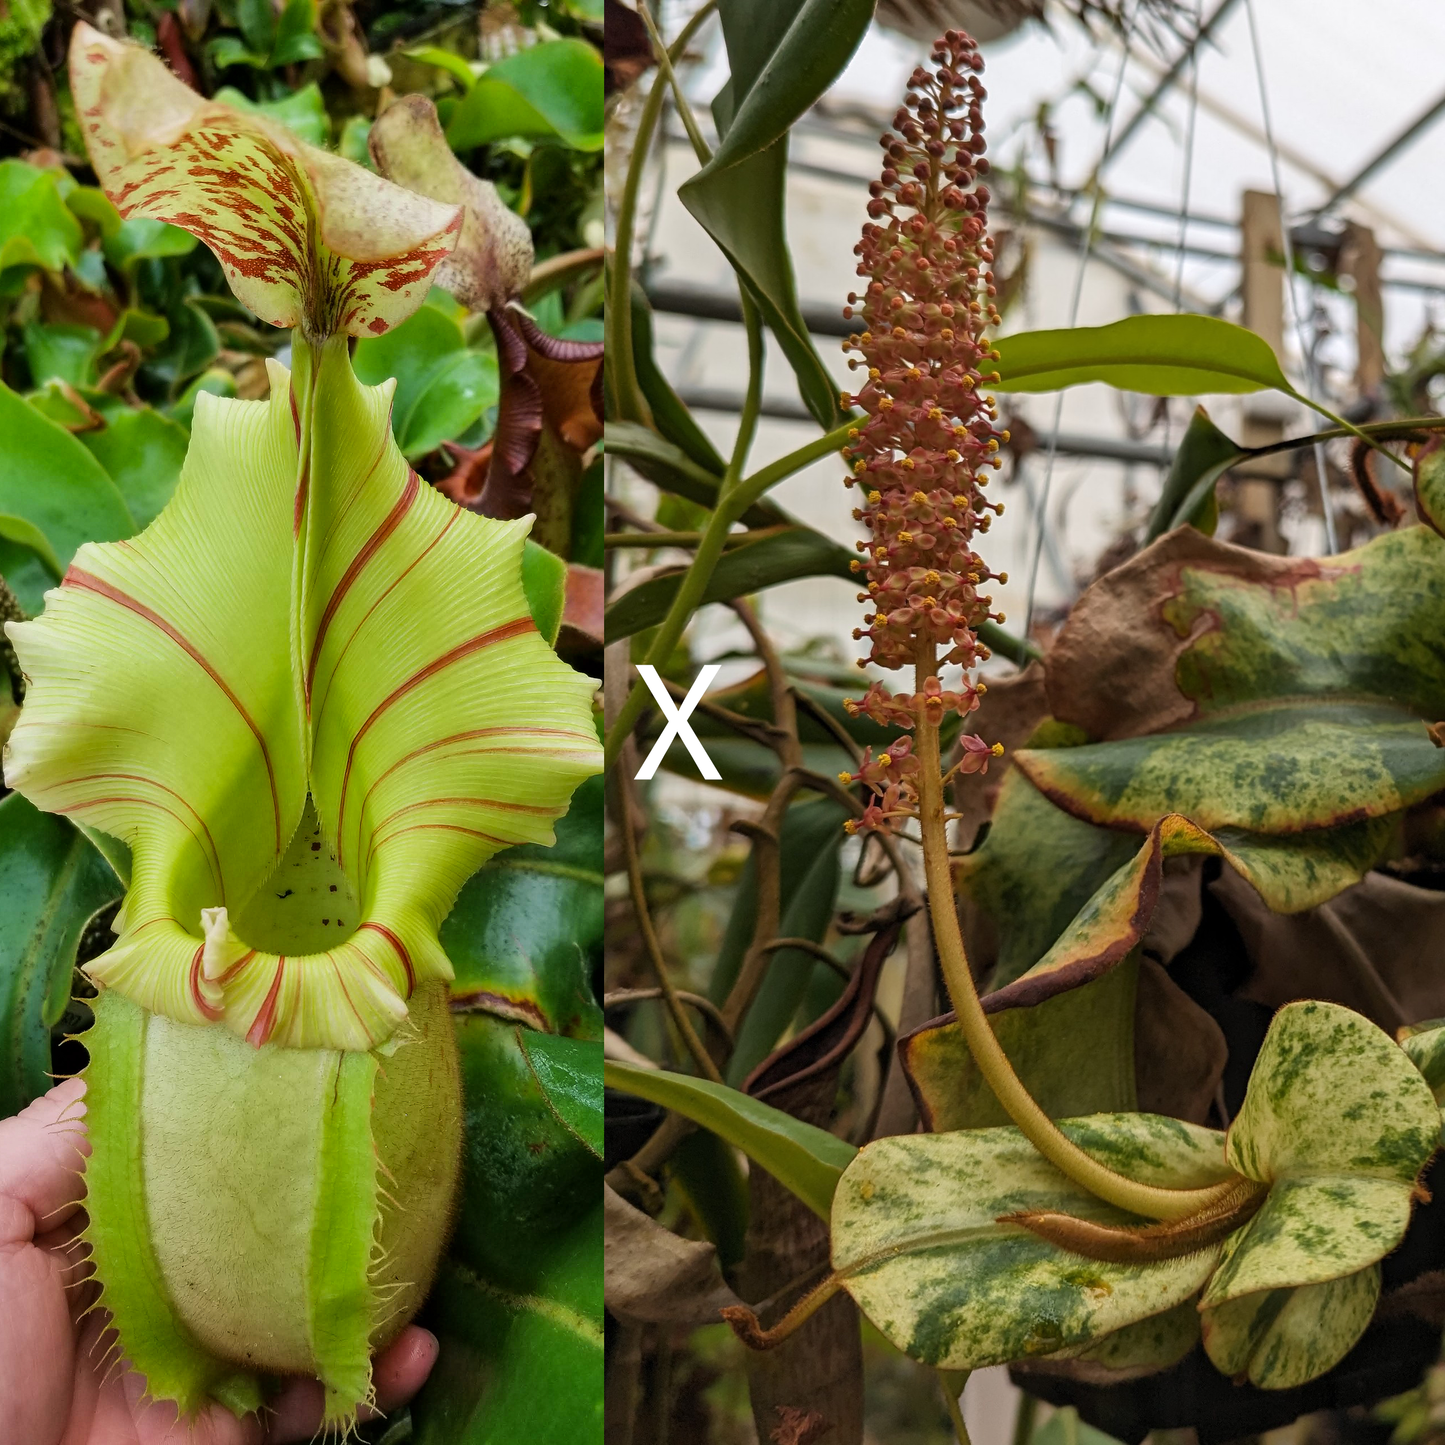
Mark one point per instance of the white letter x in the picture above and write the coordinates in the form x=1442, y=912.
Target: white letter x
x=677, y=724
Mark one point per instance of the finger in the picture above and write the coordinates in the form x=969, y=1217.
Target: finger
x=401, y=1370
x=159, y=1423
x=42, y=1151
x=398, y=1373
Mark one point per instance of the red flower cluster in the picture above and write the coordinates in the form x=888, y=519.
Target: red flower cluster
x=923, y=454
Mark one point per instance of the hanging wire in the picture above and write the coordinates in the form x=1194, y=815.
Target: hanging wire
x=1086, y=244
x=1307, y=351
x=1185, y=185
x=1188, y=156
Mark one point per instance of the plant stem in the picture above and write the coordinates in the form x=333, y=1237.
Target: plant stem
x=681, y=1022
x=664, y=65
x=1147, y=1200
x=688, y=596
x=951, y=1382
x=752, y=398
x=630, y=403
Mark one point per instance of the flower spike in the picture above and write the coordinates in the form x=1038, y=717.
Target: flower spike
x=923, y=453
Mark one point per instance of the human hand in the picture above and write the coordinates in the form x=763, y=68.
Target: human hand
x=57, y=1381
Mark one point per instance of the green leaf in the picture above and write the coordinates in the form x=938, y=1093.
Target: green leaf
x=142, y=239
x=527, y=927
x=550, y=89
x=801, y=1157
x=53, y=883
x=669, y=415
x=142, y=452
x=25, y=574
x=1280, y=1339
x=1143, y=1348
x=442, y=386
x=806, y=913
x=569, y=1072
x=216, y=382
x=36, y=228
x=448, y=60
x=544, y=580
x=63, y=353
x=53, y=494
x=1425, y=1048
x=1339, y=1122
x=191, y=345
x=1074, y=1053
x=518, y=1308
x=1035, y=869
x=782, y=55
x=296, y=38
x=518, y=1365
x=1298, y=694
x=226, y=51
x=751, y=567
x=257, y=19
x=1160, y=355
x=1187, y=497
x=917, y=1236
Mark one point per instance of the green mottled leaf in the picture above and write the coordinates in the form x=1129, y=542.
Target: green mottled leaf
x=1425, y=1048
x=442, y=386
x=142, y=452
x=801, y=1157
x=1074, y=1053
x=1033, y=872
x=1271, y=770
x=553, y=89
x=36, y=228
x=1290, y=872
x=1283, y=1338
x=53, y=882
x=526, y=928
x=751, y=567
x=917, y=1238
x=1430, y=488
x=1143, y=1348
x=1339, y=1122
x=1180, y=355
x=53, y=487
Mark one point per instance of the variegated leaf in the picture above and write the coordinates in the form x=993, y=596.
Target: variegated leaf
x=917, y=1239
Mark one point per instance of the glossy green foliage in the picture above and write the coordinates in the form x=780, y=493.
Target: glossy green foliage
x=1164, y=355
x=268, y=39
x=443, y=385
x=801, y=1157
x=779, y=557
x=552, y=91
x=53, y=883
x=518, y=1305
x=527, y=929
x=36, y=228
x=78, y=502
x=782, y=55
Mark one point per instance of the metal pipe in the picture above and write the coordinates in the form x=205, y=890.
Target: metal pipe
x=1383, y=157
